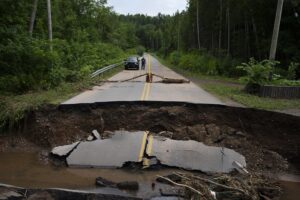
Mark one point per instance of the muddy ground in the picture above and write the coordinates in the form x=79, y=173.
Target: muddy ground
x=268, y=140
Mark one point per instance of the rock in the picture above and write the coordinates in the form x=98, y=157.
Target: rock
x=172, y=177
x=90, y=138
x=167, y=134
x=128, y=185
x=64, y=150
x=213, y=131
x=96, y=135
x=102, y=182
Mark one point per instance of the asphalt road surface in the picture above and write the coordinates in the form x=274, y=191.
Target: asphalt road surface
x=139, y=90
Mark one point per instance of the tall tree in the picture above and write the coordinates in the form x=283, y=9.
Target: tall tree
x=49, y=22
x=228, y=28
x=220, y=25
x=198, y=26
x=33, y=15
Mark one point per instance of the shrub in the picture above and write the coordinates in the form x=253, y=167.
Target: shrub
x=258, y=73
x=175, y=57
x=292, y=71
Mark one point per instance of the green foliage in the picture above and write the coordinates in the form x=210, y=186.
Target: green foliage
x=175, y=57
x=140, y=50
x=205, y=63
x=87, y=36
x=292, y=71
x=258, y=72
x=285, y=82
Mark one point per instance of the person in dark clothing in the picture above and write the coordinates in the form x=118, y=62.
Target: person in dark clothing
x=143, y=63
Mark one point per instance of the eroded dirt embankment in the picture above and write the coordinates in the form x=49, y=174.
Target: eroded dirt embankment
x=265, y=138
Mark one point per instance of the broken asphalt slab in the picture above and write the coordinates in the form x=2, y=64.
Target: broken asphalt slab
x=64, y=150
x=114, y=152
x=192, y=155
x=125, y=147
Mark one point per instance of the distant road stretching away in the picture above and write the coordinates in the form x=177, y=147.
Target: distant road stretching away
x=140, y=90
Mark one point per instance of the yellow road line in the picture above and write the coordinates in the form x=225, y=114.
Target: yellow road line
x=147, y=91
x=147, y=86
x=144, y=92
x=149, y=146
x=148, y=151
x=141, y=155
x=149, y=64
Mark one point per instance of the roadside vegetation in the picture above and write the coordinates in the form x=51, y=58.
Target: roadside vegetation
x=208, y=40
x=233, y=89
x=34, y=70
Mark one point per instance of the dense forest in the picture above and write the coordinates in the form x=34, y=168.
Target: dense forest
x=86, y=35
x=219, y=34
x=210, y=36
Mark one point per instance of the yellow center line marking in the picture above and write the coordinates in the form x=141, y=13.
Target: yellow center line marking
x=144, y=92
x=149, y=146
x=149, y=64
x=146, y=161
x=143, y=146
x=147, y=86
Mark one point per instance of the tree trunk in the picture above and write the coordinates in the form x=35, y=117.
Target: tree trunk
x=256, y=37
x=228, y=30
x=247, y=39
x=276, y=30
x=32, y=18
x=220, y=27
x=49, y=22
x=198, y=28
x=212, y=42
x=178, y=36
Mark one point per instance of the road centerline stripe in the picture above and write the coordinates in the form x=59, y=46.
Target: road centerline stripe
x=149, y=146
x=144, y=92
x=143, y=146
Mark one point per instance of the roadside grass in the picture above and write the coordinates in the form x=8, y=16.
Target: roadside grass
x=252, y=101
x=13, y=108
x=223, y=88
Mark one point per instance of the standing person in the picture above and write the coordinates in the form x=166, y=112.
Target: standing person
x=143, y=63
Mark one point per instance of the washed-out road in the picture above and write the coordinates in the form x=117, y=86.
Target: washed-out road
x=114, y=90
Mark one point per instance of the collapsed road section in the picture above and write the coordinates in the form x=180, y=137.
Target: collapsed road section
x=178, y=135
x=124, y=147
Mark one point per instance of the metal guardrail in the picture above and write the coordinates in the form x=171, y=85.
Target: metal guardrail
x=104, y=69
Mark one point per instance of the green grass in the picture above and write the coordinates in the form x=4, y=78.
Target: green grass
x=221, y=87
x=252, y=101
x=13, y=107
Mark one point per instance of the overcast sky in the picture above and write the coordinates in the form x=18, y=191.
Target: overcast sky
x=149, y=7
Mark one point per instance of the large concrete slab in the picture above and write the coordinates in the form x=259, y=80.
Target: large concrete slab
x=114, y=152
x=139, y=90
x=192, y=155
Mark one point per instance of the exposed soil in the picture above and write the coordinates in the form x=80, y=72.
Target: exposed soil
x=268, y=140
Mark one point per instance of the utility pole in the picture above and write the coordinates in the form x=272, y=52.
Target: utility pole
x=276, y=30
x=32, y=19
x=49, y=22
